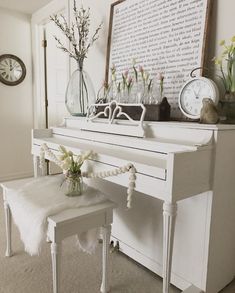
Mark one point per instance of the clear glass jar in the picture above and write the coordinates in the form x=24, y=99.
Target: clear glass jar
x=102, y=95
x=113, y=91
x=74, y=183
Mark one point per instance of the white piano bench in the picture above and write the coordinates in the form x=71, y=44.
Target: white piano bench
x=67, y=223
x=74, y=221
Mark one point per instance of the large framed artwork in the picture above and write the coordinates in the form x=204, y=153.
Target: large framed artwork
x=168, y=37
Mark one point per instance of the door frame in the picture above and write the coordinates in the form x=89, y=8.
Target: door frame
x=38, y=20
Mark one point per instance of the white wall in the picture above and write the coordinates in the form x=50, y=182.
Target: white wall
x=223, y=22
x=16, y=113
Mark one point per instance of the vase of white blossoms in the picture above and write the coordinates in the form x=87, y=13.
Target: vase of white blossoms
x=71, y=165
x=80, y=91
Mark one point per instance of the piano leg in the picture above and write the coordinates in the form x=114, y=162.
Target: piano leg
x=169, y=214
x=36, y=167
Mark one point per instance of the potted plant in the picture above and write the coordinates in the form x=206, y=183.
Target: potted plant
x=226, y=63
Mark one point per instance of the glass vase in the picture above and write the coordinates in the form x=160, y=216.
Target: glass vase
x=74, y=184
x=79, y=93
x=114, y=92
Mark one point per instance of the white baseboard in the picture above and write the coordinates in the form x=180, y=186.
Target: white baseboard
x=151, y=264
x=15, y=176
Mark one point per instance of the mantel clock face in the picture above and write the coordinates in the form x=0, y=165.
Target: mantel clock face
x=12, y=69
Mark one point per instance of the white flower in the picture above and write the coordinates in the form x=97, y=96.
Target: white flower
x=86, y=155
x=66, y=164
x=62, y=149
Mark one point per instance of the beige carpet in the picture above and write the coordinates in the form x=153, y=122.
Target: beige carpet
x=81, y=273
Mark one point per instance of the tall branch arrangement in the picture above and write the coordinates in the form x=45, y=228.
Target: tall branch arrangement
x=77, y=33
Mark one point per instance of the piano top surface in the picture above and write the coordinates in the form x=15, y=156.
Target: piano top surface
x=174, y=124
x=157, y=145
x=161, y=137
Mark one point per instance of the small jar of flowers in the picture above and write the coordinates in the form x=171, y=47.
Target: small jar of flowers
x=71, y=165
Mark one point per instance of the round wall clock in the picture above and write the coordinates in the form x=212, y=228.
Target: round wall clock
x=193, y=92
x=12, y=69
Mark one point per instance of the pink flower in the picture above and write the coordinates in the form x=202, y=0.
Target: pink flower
x=126, y=73
x=141, y=69
x=160, y=76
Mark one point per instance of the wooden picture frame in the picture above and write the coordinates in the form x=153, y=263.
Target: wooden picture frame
x=112, y=6
x=201, y=10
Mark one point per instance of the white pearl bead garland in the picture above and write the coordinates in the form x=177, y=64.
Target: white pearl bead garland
x=128, y=168
x=103, y=174
x=51, y=156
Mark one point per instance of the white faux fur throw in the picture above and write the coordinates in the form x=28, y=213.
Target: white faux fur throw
x=43, y=197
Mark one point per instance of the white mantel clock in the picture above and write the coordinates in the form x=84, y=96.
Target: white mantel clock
x=192, y=94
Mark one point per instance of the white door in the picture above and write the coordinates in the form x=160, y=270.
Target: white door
x=57, y=75
x=56, y=80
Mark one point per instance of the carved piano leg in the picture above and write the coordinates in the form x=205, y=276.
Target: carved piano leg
x=36, y=167
x=169, y=214
x=8, y=226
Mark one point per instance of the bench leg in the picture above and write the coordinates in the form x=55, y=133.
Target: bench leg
x=106, y=231
x=8, y=228
x=55, y=256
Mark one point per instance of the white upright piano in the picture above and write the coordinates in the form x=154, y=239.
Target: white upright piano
x=185, y=172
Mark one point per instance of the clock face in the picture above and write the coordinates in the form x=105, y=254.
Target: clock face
x=192, y=94
x=12, y=70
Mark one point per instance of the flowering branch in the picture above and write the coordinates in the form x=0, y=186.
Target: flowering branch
x=77, y=34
